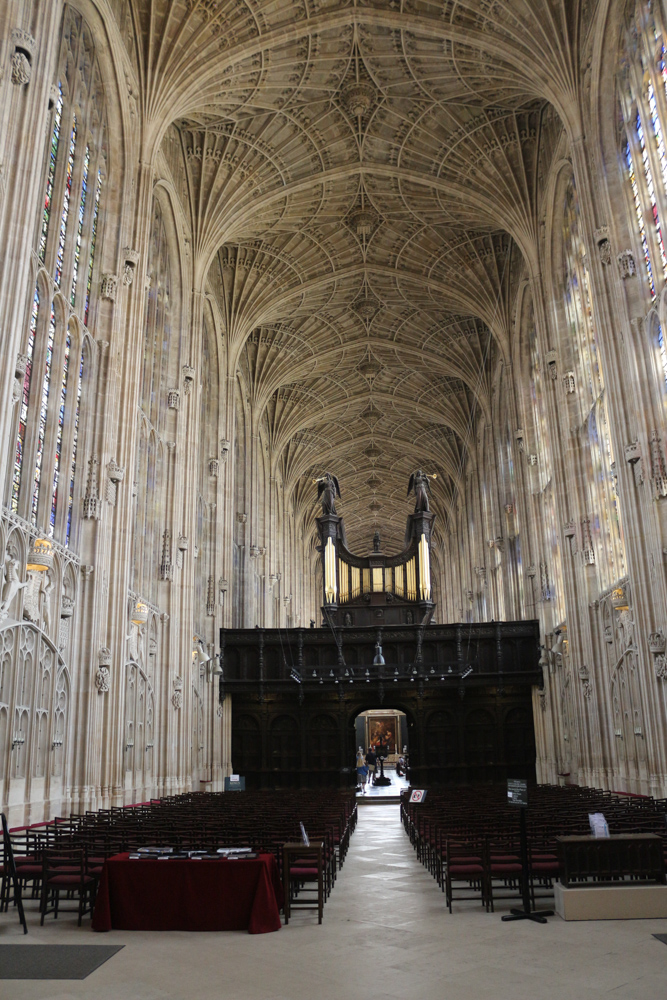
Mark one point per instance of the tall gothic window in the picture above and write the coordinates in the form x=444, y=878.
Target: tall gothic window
x=601, y=529
x=41, y=486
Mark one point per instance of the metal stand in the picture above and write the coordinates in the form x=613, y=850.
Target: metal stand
x=537, y=916
x=382, y=780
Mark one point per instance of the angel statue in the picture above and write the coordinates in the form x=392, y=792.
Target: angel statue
x=419, y=486
x=327, y=491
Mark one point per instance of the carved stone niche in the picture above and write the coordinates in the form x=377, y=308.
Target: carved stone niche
x=657, y=643
x=24, y=47
x=518, y=437
x=569, y=382
x=626, y=264
x=532, y=460
x=634, y=458
x=241, y=518
x=551, y=362
x=109, y=286
x=173, y=399
x=130, y=261
x=177, y=693
x=115, y=476
x=102, y=680
x=225, y=445
x=213, y=468
x=603, y=244
x=188, y=379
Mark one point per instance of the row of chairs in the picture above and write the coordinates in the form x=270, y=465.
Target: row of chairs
x=468, y=836
x=67, y=854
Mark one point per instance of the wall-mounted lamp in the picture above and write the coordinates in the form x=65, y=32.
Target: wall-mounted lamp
x=40, y=557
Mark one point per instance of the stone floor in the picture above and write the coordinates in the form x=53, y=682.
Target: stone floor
x=386, y=934
x=385, y=791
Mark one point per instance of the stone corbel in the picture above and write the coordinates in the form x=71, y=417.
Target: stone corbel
x=130, y=261
x=24, y=48
x=115, y=475
x=633, y=457
x=177, y=693
x=91, y=502
x=657, y=643
x=603, y=244
x=188, y=379
x=551, y=364
x=109, y=286
x=103, y=674
x=626, y=264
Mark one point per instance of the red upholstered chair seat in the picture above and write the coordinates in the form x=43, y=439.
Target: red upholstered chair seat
x=72, y=879
x=466, y=869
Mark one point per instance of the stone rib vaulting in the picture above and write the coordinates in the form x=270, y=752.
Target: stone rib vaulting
x=248, y=242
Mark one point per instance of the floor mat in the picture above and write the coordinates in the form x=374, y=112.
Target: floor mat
x=53, y=961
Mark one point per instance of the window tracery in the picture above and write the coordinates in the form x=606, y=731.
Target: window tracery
x=47, y=419
x=597, y=455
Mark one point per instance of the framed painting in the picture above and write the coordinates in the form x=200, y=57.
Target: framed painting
x=383, y=729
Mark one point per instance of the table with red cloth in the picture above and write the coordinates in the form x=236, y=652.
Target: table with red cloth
x=188, y=895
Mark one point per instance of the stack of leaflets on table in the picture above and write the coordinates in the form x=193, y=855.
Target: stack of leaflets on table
x=235, y=853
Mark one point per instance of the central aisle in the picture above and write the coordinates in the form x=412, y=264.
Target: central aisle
x=386, y=935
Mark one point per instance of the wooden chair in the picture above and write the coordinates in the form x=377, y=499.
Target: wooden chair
x=66, y=871
x=303, y=867
x=465, y=871
x=11, y=884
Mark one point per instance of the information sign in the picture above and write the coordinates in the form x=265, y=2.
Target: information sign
x=517, y=792
x=417, y=794
x=235, y=783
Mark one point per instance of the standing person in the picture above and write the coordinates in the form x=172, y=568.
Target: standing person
x=362, y=770
x=371, y=760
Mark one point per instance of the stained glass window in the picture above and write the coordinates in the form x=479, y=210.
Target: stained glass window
x=651, y=192
x=53, y=155
x=640, y=217
x=43, y=410
x=67, y=194
x=59, y=436
x=75, y=438
x=93, y=237
x=657, y=132
x=663, y=352
x=79, y=228
x=25, y=400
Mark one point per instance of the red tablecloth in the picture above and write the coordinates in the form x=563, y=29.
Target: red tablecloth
x=189, y=895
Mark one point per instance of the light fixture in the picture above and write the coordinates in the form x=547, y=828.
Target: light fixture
x=217, y=669
x=557, y=647
x=40, y=557
x=378, y=660
x=200, y=655
x=140, y=613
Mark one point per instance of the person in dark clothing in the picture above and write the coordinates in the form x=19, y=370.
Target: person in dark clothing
x=371, y=761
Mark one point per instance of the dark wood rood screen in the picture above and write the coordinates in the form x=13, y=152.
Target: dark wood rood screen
x=466, y=691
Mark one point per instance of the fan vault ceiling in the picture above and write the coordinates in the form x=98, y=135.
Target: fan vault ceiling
x=361, y=182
